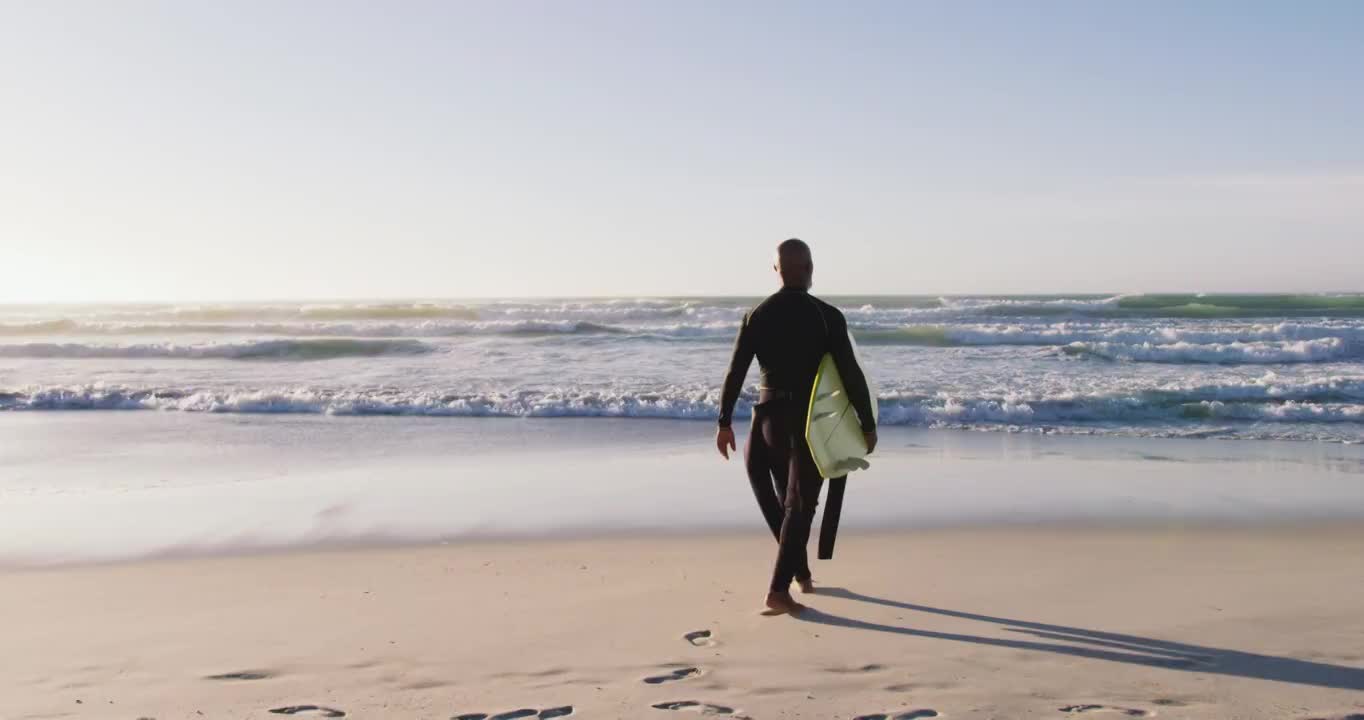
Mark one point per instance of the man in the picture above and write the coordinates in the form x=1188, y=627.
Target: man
x=789, y=332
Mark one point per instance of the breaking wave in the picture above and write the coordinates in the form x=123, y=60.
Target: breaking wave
x=1323, y=401
x=1138, y=364
x=615, y=311
x=1283, y=342
x=301, y=349
x=1234, y=353
x=429, y=328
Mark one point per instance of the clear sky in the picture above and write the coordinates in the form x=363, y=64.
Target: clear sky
x=195, y=150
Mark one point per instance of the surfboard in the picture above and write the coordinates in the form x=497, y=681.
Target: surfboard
x=831, y=427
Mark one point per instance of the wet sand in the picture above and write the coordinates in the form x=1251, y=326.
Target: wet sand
x=97, y=487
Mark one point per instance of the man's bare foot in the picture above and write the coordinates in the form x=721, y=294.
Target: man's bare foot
x=781, y=603
x=807, y=586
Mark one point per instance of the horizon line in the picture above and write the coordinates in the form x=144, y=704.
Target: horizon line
x=637, y=296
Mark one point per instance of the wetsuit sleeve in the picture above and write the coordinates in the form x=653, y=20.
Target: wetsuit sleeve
x=853, y=379
x=738, y=370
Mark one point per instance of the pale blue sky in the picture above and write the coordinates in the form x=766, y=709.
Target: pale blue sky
x=254, y=150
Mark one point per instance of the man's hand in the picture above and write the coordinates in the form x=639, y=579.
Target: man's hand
x=724, y=441
x=870, y=437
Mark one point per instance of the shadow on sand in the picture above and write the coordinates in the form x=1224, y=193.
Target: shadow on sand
x=1113, y=647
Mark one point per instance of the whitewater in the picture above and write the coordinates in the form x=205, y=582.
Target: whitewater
x=1287, y=367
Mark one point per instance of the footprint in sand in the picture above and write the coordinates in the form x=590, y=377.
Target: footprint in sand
x=700, y=707
x=679, y=674
x=700, y=638
x=242, y=675
x=1130, y=712
x=556, y=712
x=907, y=715
x=309, y=710
x=869, y=668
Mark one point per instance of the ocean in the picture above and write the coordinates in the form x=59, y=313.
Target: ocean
x=1280, y=367
x=141, y=430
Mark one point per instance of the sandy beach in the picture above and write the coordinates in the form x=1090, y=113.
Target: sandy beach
x=962, y=623
x=186, y=566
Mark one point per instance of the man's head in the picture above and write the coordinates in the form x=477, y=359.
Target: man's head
x=795, y=265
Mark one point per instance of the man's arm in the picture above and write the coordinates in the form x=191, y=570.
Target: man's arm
x=734, y=382
x=738, y=370
x=853, y=379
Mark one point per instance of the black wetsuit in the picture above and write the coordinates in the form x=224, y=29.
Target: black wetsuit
x=789, y=333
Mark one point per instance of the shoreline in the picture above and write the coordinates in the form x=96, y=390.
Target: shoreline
x=81, y=489
x=739, y=534
x=1110, y=430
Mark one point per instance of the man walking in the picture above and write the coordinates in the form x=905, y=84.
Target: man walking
x=789, y=332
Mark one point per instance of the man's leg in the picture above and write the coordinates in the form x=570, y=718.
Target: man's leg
x=803, y=576
x=802, y=496
x=758, y=463
x=776, y=445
